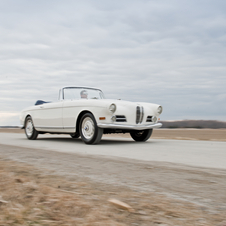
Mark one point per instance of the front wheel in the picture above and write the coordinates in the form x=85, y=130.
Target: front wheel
x=89, y=131
x=75, y=135
x=30, y=130
x=141, y=135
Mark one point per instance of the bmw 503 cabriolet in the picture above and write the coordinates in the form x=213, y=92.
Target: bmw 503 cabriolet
x=84, y=111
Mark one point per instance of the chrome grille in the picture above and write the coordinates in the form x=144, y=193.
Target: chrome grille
x=142, y=114
x=139, y=114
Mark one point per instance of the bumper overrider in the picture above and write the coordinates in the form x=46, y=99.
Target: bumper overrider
x=129, y=127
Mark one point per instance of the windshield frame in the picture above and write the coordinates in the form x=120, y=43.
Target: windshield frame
x=61, y=92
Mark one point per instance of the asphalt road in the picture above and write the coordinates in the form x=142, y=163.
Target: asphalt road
x=210, y=154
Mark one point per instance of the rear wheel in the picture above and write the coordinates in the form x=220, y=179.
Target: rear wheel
x=89, y=131
x=141, y=135
x=30, y=130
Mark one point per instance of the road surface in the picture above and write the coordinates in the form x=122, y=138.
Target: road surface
x=208, y=154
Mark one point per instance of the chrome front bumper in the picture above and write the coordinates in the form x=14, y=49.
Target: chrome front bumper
x=133, y=127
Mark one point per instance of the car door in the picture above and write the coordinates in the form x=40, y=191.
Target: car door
x=48, y=117
x=71, y=109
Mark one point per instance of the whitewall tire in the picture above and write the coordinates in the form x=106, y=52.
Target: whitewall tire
x=88, y=129
x=30, y=130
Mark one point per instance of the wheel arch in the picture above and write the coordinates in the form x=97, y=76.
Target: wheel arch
x=80, y=116
x=28, y=115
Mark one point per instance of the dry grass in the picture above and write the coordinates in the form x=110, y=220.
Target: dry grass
x=30, y=196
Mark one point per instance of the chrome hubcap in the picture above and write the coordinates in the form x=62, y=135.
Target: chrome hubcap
x=29, y=128
x=88, y=128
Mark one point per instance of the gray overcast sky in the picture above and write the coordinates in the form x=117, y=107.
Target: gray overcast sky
x=171, y=53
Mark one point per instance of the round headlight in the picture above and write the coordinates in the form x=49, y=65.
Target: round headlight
x=112, y=108
x=159, y=110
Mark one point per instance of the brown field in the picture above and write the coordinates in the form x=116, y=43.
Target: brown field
x=31, y=196
x=179, y=134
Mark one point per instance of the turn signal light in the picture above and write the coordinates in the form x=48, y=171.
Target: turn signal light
x=102, y=118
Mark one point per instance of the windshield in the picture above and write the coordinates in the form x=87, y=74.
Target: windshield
x=72, y=93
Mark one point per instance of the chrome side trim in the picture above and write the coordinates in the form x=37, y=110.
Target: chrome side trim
x=135, y=127
x=69, y=127
x=54, y=127
x=48, y=127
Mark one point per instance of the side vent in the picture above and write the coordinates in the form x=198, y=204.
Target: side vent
x=121, y=118
x=152, y=119
x=149, y=119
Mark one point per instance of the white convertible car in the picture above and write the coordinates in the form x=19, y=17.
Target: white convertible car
x=83, y=111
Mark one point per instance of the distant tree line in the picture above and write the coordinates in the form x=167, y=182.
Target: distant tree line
x=198, y=124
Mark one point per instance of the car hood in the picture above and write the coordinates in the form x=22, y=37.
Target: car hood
x=126, y=103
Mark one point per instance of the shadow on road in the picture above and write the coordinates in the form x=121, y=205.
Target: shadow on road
x=104, y=141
